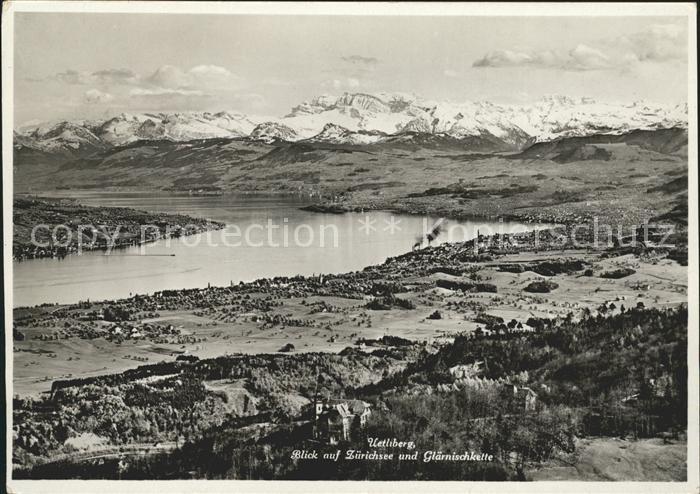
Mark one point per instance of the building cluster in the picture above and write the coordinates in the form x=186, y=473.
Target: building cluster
x=338, y=420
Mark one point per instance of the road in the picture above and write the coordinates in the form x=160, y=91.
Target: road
x=115, y=452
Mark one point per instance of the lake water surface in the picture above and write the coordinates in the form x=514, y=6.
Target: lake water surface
x=265, y=237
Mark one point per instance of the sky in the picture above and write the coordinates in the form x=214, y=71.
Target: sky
x=97, y=65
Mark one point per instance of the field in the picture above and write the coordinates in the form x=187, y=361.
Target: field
x=617, y=179
x=605, y=459
x=331, y=323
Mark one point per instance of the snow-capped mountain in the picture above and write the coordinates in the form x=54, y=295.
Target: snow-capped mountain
x=549, y=118
x=355, y=112
x=127, y=128
x=336, y=134
x=61, y=138
x=357, y=118
x=272, y=132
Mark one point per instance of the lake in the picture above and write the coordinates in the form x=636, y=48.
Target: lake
x=265, y=237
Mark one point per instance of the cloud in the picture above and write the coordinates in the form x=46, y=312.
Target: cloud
x=164, y=88
x=169, y=76
x=450, y=73
x=95, y=96
x=503, y=58
x=197, y=80
x=73, y=77
x=213, y=76
x=160, y=91
x=657, y=44
x=210, y=71
x=167, y=82
x=584, y=57
x=200, y=76
x=358, y=59
x=103, y=77
x=115, y=76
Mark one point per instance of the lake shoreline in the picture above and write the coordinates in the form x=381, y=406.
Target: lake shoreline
x=356, y=205
x=349, y=246
x=309, y=304
x=61, y=214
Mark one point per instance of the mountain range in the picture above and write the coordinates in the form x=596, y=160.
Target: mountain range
x=362, y=119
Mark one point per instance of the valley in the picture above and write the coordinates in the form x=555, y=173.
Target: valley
x=222, y=379
x=314, y=315
x=572, y=183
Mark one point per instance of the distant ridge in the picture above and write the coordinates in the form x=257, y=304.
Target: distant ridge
x=359, y=119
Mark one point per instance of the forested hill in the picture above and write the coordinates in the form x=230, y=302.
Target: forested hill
x=618, y=375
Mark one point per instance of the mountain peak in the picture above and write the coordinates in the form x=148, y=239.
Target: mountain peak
x=273, y=131
x=358, y=118
x=337, y=134
x=363, y=101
